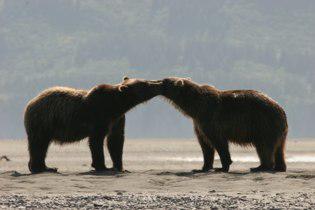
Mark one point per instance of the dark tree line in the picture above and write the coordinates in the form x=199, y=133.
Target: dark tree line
x=264, y=45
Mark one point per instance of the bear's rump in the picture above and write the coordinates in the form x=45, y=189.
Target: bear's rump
x=61, y=117
x=247, y=127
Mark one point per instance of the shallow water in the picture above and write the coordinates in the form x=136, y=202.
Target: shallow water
x=245, y=159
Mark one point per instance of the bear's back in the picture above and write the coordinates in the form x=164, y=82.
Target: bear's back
x=54, y=104
x=57, y=96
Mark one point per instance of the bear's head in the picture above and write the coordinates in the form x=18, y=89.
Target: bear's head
x=140, y=90
x=187, y=96
x=173, y=86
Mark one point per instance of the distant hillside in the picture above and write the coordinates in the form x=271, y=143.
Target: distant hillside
x=264, y=45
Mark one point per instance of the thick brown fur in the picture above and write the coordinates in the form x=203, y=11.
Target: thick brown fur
x=66, y=115
x=244, y=117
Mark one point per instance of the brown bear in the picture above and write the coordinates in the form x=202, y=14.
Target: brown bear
x=65, y=115
x=244, y=117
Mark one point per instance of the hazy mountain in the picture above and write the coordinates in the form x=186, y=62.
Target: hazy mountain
x=264, y=45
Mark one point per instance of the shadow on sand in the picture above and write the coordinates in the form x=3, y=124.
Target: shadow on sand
x=18, y=174
x=198, y=174
x=91, y=173
x=104, y=173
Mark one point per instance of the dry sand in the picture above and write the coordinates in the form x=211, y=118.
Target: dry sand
x=160, y=178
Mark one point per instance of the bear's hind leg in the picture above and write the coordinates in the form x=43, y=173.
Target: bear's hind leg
x=207, y=151
x=96, y=144
x=280, y=164
x=266, y=155
x=37, y=150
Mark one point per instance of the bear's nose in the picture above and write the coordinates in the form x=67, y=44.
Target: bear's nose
x=157, y=85
x=155, y=82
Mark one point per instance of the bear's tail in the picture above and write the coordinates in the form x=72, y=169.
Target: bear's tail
x=280, y=164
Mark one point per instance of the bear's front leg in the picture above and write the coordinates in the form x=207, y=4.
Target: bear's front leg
x=115, y=143
x=207, y=151
x=96, y=143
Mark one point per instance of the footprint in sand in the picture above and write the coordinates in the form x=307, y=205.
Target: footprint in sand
x=258, y=179
x=301, y=176
x=26, y=182
x=80, y=186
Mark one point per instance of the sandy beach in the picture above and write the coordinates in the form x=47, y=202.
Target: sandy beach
x=160, y=177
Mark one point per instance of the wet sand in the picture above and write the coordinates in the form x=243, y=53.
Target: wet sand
x=160, y=177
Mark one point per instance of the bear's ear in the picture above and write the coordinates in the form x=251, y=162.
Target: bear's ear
x=125, y=78
x=179, y=82
x=122, y=88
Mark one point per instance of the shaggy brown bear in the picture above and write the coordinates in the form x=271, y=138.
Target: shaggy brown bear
x=244, y=117
x=66, y=115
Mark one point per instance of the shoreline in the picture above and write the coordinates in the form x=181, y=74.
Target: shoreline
x=153, y=182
